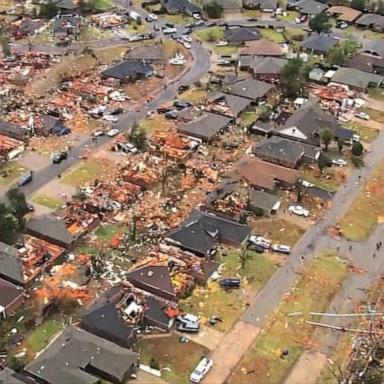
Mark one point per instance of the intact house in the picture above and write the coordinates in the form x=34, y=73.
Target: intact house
x=253, y=90
x=77, y=356
x=228, y=5
x=206, y=127
x=342, y=13
x=11, y=298
x=174, y=7
x=306, y=123
x=201, y=232
x=366, y=63
x=307, y=7
x=129, y=70
x=8, y=376
x=226, y=104
x=371, y=20
x=261, y=47
x=357, y=80
x=373, y=48
x=269, y=6
x=267, y=68
x=285, y=152
x=240, y=35
x=21, y=266
x=320, y=44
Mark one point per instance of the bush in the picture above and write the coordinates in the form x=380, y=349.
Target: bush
x=154, y=364
x=357, y=149
x=214, y=10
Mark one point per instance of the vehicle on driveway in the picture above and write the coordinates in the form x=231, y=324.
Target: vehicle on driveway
x=111, y=118
x=58, y=157
x=362, y=115
x=98, y=133
x=281, y=248
x=25, y=179
x=221, y=43
x=255, y=247
x=339, y=162
x=260, y=241
x=169, y=31
x=201, y=370
x=298, y=210
x=230, y=282
x=113, y=132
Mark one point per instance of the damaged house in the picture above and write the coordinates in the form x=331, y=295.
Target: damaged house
x=11, y=298
x=10, y=148
x=174, y=7
x=129, y=70
x=13, y=131
x=77, y=356
x=226, y=104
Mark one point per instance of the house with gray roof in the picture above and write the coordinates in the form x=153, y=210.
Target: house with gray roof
x=239, y=35
x=206, y=127
x=228, y=5
x=13, y=130
x=129, y=70
x=9, y=376
x=307, y=7
x=263, y=203
x=366, y=63
x=320, y=44
x=263, y=5
x=267, y=68
x=252, y=89
x=77, y=356
x=11, y=266
x=186, y=7
x=11, y=298
x=374, y=48
x=356, y=79
x=371, y=20
x=227, y=104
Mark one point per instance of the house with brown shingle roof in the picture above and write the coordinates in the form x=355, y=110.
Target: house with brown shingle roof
x=262, y=47
x=342, y=13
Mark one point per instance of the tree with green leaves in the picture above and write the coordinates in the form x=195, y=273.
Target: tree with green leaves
x=357, y=149
x=8, y=225
x=336, y=56
x=264, y=112
x=358, y=4
x=380, y=7
x=244, y=256
x=326, y=137
x=4, y=42
x=48, y=10
x=214, y=10
x=340, y=145
x=18, y=205
x=322, y=162
x=140, y=139
x=292, y=77
x=320, y=23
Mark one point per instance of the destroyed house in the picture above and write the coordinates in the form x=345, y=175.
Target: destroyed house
x=206, y=127
x=45, y=125
x=77, y=356
x=65, y=25
x=201, y=232
x=23, y=265
x=129, y=70
x=11, y=298
x=288, y=153
x=263, y=175
x=10, y=148
x=13, y=130
x=226, y=104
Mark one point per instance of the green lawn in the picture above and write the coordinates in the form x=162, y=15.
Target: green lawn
x=194, y=96
x=294, y=34
x=212, y=34
x=313, y=176
x=10, y=171
x=106, y=232
x=271, y=34
x=227, y=50
x=178, y=359
x=86, y=172
x=367, y=210
x=290, y=16
x=41, y=335
x=248, y=118
x=376, y=93
x=367, y=134
x=313, y=292
x=47, y=201
x=134, y=27
x=90, y=32
x=179, y=19
x=374, y=114
x=212, y=300
x=103, y=5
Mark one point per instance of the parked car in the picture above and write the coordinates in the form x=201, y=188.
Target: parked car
x=169, y=31
x=188, y=318
x=98, y=133
x=221, y=43
x=256, y=248
x=25, y=179
x=339, y=162
x=63, y=131
x=188, y=327
x=183, y=88
x=58, y=157
x=362, y=115
x=180, y=104
x=187, y=38
x=196, y=16
x=173, y=115
x=201, y=370
x=261, y=241
x=151, y=17
x=187, y=45
x=281, y=248
x=298, y=210
x=113, y=132
x=111, y=118
x=231, y=282
x=126, y=148
x=169, y=25
x=341, y=24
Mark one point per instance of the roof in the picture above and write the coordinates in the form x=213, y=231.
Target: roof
x=61, y=23
x=236, y=104
x=262, y=4
x=237, y=35
x=154, y=312
x=154, y=277
x=307, y=121
x=128, y=69
x=355, y=78
x=263, y=200
x=228, y=4
x=371, y=20
x=320, y=42
x=181, y=6
x=8, y=376
x=148, y=52
x=262, y=47
x=344, y=13
x=205, y=127
x=374, y=47
x=11, y=265
x=366, y=63
x=267, y=65
x=308, y=7
x=12, y=130
x=250, y=88
x=9, y=293
x=50, y=227
x=201, y=231
x=76, y=354
x=262, y=174
x=66, y=4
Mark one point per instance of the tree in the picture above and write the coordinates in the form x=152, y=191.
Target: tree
x=320, y=23
x=358, y=4
x=265, y=112
x=211, y=36
x=340, y=145
x=336, y=56
x=134, y=130
x=48, y=10
x=322, y=162
x=18, y=205
x=349, y=47
x=214, y=10
x=292, y=77
x=8, y=225
x=4, y=42
x=380, y=7
x=357, y=149
x=140, y=139
x=244, y=256
x=326, y=136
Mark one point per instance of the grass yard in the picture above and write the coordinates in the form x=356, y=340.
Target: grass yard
x=90, y=33
x=133, y=27
x=374, y=114
x=10, y=171
x=277, y=230
x=313, y=292
x=227, y=50
x=212, y=300
x=86, y=172
x=150, y=124
x=211, y=34
x=367, y=211
x=252, y=13
x=367, y=134
x=313, y=176
x=271, y=34
x=180, y=359
x=194, y=96
x=376, y=93
x=294, y=34
x=106, y=232
x=289, y=16
x=102, y=5
x=248, y=118
x=179, y=19
x=47, y=201
x=41, y=335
